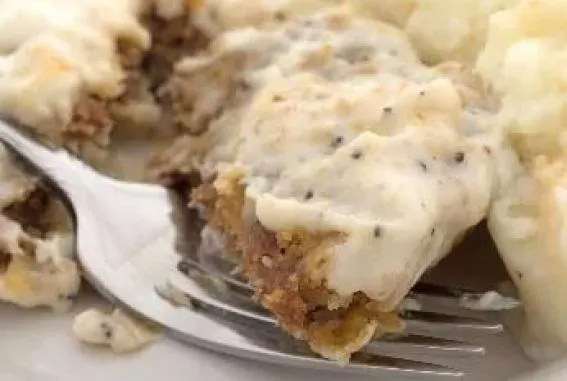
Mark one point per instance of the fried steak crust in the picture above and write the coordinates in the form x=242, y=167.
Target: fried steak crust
x=282, y=266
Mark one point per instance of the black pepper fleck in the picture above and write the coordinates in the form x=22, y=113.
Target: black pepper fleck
x=387, y=110
x=178, y=41
x=280, y=16
x=520, y=275
x=423, y=166
x=487, y=150
x=106, y=330
x=308, y=195
x=377, y=231
x=422, y=93
x=356, y=155
x=432, y=232
x=282, y=250
x=337, y=141
x=243, y=85
x=459, y=157
x=184, y=267
x=277, y=98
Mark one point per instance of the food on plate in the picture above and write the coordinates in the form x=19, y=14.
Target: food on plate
x=523, y=59
x=339, y=166
x=343, y=147
x=526, y=223
x=80, y=75
x=117, y=330
x=36, y=240
x=72, y=73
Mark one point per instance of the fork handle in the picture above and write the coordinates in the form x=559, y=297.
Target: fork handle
x=56, y=165
x=37, y=154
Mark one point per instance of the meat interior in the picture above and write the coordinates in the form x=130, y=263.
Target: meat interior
x=277, y=264
x=118, y=135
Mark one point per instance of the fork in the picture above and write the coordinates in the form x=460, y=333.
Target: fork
x=141, y=254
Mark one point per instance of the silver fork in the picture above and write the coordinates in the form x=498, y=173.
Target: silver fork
x=126, y=243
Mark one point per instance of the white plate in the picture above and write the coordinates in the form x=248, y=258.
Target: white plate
x=37, y=345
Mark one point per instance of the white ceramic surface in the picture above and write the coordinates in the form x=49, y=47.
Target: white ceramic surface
x=37, y=346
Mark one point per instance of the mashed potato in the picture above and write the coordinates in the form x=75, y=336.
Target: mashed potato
x=525, y=59
x=451, y=30
x=527, y=224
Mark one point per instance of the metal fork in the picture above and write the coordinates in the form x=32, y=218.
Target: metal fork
x=126, y=243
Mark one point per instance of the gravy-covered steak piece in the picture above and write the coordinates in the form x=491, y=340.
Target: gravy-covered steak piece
x=335, y=163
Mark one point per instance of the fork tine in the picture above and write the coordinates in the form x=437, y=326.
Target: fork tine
x=436, y=320
x=410, y=367
x=408, y=340
x=239, y=285
x=414, y=319
x=428, y=343
x=437, y=290
x=258, y=323
x=223, y=269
